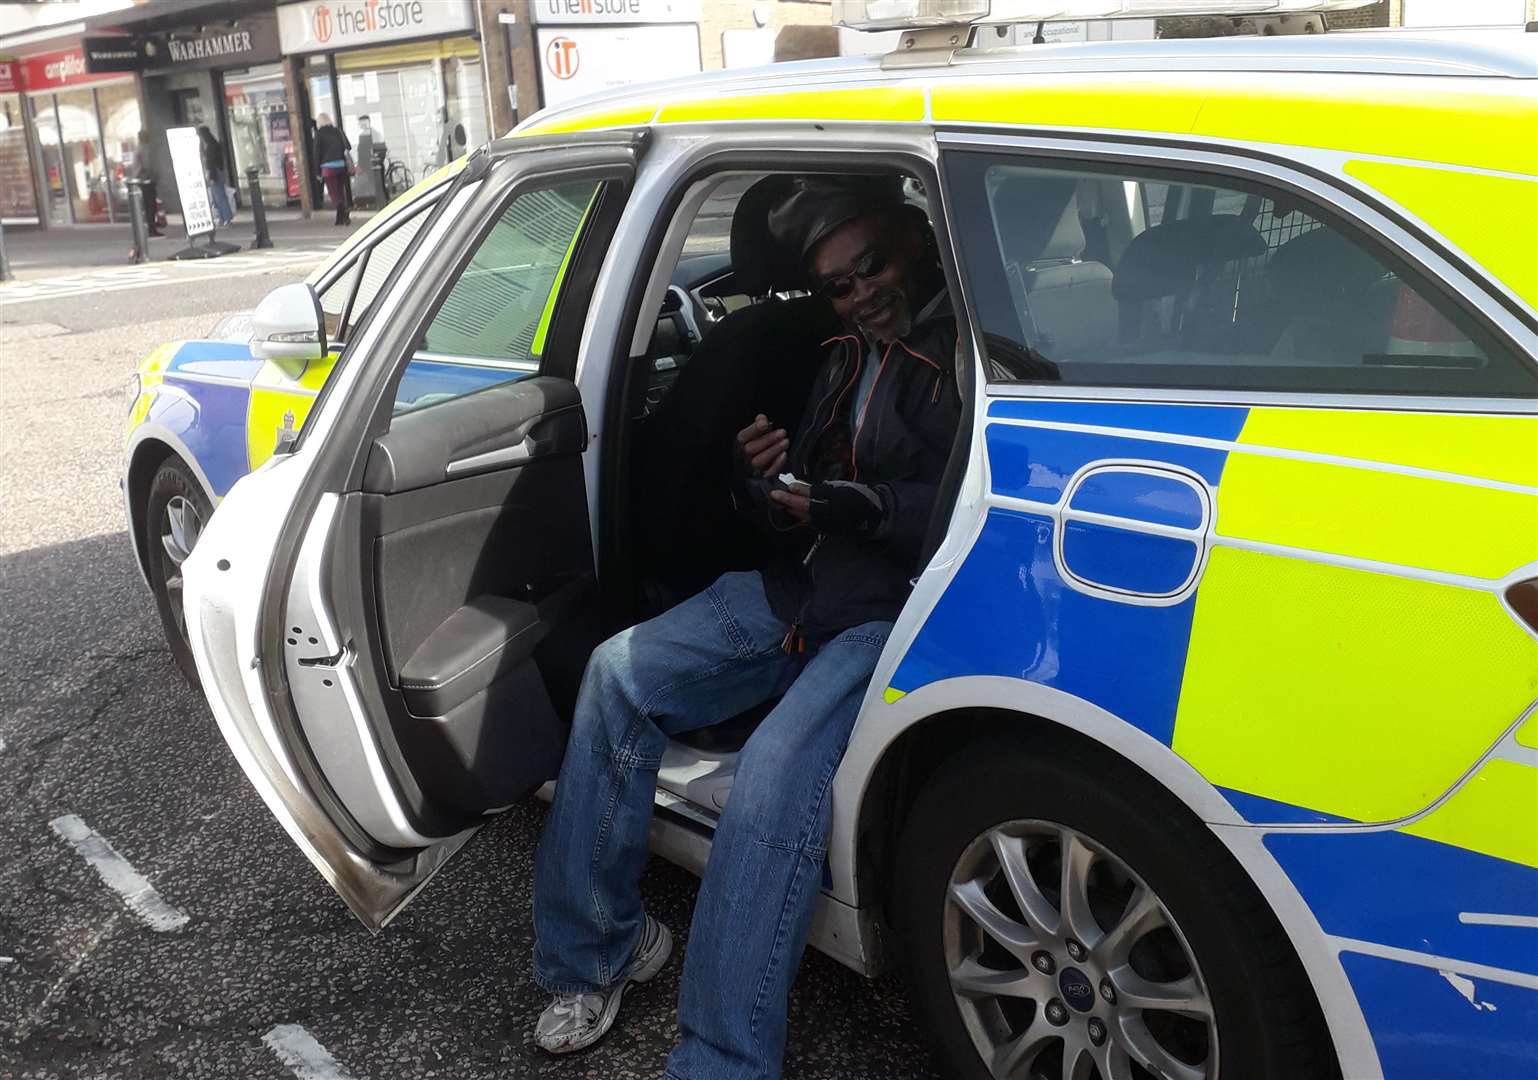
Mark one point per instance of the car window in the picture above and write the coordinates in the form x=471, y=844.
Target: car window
x=333, y=302
x=491, y=327
x=349, y=295
x=1190, y=284
x=380, y=259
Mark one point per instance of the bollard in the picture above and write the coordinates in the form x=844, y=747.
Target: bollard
x=258, y=211
x=136, y=223
x=5, y=260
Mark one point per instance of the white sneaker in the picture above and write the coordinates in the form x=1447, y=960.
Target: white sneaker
x=576, y=1021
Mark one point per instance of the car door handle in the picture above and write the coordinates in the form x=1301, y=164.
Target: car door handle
x=517, y=454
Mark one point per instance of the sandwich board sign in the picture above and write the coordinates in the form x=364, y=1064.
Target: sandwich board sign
x=192, y=190
x=191, y=187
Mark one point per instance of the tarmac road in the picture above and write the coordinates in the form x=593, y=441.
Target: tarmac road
x=268, y=975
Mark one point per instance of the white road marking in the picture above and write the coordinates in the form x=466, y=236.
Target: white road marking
x=1485, y=918
x=39, y=1013
x=121, y=278
x=119, y=875
x=305, y=1058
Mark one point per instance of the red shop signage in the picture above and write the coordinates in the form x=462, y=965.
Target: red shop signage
x=56, y=70
x=9, y=83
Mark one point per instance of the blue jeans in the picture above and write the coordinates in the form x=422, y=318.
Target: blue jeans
x=702, y=662
x=220, y=199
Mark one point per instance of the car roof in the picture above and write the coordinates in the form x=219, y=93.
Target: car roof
x=1497, y=53
x=1463, y=99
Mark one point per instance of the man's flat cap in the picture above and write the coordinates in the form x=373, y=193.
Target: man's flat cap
x=816, y=205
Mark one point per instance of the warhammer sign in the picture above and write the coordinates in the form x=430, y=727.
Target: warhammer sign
x=340, y=24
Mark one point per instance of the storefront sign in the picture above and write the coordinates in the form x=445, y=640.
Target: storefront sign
x=577, y=61
x=10, y=82
x=324, y=25
x=191, y=184
x=251, y=40
x=613, y=12
x=56, y=70
x=112, y=54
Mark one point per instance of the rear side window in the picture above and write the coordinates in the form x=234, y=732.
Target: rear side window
x=1154, y=279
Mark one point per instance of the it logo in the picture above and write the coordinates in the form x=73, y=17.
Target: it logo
x=322, y=24
x=561, y=57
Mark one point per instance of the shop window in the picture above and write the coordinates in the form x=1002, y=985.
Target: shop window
x=261, y=135
x=18, y=196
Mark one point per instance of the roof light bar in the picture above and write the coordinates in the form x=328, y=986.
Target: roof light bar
x=920, y=14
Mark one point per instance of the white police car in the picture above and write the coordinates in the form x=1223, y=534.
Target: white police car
x=1205, y=745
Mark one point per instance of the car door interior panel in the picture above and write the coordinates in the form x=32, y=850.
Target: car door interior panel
x=505, y=424
x=472, y=571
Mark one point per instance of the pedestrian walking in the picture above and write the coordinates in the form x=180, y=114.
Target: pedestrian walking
x=144, y=169
x=218, y=177
x=331, y=150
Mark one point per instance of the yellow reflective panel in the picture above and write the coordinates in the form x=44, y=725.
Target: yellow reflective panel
x=1495, y=813
x=1391, y=116
x=894, y=104
x=891, y=695
x=1488, y=447
x=1464, y=207
x=632, y=116
x=1151, y=103
x=1527, y=734
x=1382, y=516
x=1339, y=689
x=1395, y=117
x=282, y=395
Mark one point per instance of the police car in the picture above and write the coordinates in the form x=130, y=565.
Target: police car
x=1205, y=745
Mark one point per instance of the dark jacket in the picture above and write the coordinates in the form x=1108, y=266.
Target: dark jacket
x=331, y=144
x=758, y=359
x=824, y=585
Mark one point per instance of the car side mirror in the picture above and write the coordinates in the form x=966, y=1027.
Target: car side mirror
x=288, y=325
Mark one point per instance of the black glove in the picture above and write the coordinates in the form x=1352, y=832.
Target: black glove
x=842, y=506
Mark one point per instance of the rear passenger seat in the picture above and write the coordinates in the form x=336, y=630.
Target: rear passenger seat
x=1065, y=300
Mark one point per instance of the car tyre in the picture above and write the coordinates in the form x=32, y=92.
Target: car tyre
x=175, y=513
x=1159, y=915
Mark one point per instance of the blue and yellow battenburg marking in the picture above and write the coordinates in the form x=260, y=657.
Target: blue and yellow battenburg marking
x=229, y=409
x=1344, y=658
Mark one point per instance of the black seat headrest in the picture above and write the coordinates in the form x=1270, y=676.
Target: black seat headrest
x=1042, y=218
x=1165, y=260
x=759, y=263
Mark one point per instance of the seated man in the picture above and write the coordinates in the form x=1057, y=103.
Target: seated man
x=872, y=445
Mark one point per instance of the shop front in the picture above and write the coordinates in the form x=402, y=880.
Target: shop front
x=228, y=76
x=403, y=79
x=87, y=135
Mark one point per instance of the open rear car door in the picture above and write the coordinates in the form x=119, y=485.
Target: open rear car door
x=383, y=618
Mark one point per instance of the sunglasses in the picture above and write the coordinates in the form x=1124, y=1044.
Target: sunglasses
x=871, y=264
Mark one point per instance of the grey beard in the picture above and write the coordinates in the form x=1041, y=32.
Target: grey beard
x=899, y=331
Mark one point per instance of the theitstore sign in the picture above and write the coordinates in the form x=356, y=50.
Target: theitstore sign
x=613, y=12
x=580, y=60
x=325, y=25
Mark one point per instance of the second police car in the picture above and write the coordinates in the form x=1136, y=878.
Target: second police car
x=1205, y=745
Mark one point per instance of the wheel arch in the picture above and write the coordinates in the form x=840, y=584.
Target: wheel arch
x=151, y=447
x=927, y=728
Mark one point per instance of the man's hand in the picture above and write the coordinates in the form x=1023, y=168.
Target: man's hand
x=761, y=448
x=796, y=504
x=835, y=506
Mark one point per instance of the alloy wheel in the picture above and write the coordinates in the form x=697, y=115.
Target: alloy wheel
x=1065, y=965
x=180, y=527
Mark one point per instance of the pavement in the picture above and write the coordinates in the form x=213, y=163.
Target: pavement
x=71, y=249
x=155, y=921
